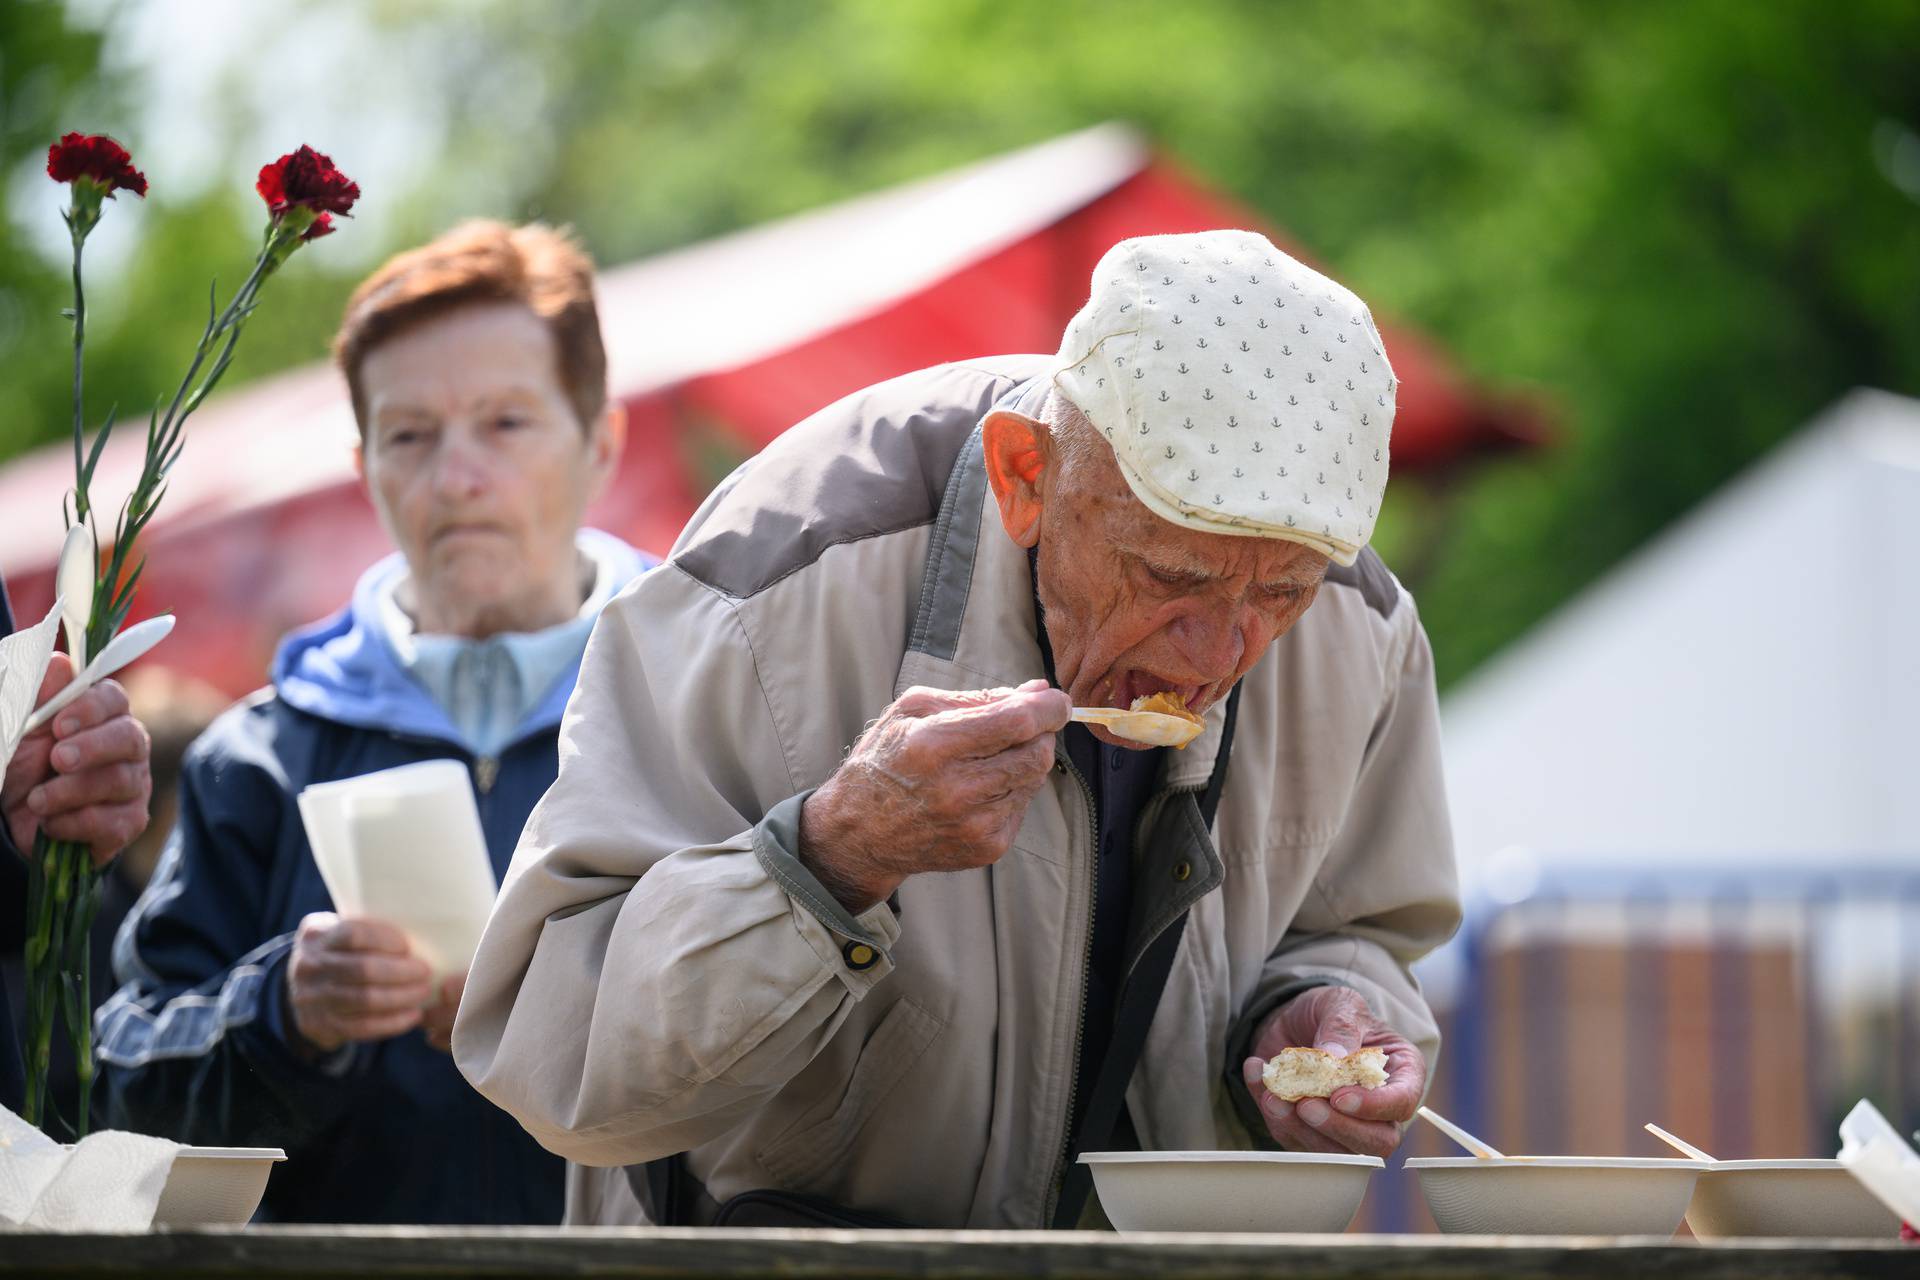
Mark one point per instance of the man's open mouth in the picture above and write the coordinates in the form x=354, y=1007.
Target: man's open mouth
x=1144, y=684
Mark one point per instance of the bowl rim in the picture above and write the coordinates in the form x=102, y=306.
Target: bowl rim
x=1556, y=1162
x=1758, y=1166
x=1230, y=1157
x=274, y=1154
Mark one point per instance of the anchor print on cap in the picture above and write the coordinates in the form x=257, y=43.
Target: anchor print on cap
x=1186, y=325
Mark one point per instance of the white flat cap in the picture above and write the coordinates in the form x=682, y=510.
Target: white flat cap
x=1242, y=391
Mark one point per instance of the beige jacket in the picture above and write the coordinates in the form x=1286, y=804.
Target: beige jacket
x=661, y=974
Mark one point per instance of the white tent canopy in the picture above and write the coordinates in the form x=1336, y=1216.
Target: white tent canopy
x=1746, y=690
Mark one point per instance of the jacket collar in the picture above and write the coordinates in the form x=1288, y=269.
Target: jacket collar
x=344, y=668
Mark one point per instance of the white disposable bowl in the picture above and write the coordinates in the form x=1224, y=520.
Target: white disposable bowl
x=1230, y=1190
x=1804, y=1198
x=215, y=1186
x=1556, y=1195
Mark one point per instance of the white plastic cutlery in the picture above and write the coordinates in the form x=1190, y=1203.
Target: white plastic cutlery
x=1155, y=728
x=122, y=649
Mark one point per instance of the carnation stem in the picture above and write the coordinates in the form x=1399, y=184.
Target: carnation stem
x=163, y=447
x=39, y=927
x=61, y=879
x=44, y=995
x=63, y=884
x=79, y=963
x=79, y=401
x=234, y=318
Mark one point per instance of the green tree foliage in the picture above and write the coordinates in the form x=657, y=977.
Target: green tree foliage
x=44, y=69
x=1685, y=226
x=143, y=321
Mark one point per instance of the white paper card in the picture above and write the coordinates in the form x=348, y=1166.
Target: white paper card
x=1880, y=1159
x=404, y=845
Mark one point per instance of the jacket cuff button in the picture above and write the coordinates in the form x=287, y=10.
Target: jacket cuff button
x=859, y=956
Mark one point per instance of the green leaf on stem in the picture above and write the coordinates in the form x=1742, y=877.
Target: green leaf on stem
x=93, y=454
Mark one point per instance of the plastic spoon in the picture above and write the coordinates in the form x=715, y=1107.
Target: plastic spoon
x=1681, y=1145
x=122, y=649
x=1459, y=1135
x=1154, y=728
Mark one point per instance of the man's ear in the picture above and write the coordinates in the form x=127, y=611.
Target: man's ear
x=1018, y=453
x=605, y=444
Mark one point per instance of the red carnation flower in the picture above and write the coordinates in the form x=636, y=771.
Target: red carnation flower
x=306, y=179
x=322, y=226
x=97, y=157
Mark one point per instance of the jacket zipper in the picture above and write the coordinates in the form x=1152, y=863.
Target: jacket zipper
x=1086, y=969
x=485, y=769
x=1150, y=809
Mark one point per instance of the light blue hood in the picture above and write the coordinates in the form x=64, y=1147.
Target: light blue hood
x=344, y=667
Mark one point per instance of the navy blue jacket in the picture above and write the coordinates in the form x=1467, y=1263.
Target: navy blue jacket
x=13, y=1083
x=194, y=1045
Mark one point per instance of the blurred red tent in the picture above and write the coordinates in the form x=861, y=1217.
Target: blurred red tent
x=714, y=350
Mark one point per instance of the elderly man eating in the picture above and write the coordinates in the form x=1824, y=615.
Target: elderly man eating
x=723, y=977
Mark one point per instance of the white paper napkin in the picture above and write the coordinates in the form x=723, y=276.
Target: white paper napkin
x=24, y=656
x=405, y=845
x=1875, y=1153
x=107, y=1182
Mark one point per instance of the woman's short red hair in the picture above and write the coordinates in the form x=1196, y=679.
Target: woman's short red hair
x=483, y=261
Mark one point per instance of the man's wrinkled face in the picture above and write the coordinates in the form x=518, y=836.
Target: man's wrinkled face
x=1136, y=604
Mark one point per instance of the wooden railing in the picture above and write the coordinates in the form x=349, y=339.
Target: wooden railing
x=297, y=1253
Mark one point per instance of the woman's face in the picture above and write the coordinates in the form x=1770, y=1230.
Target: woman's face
x=480, y=469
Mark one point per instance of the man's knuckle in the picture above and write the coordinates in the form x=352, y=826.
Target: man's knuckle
x=1024, y=765
x=982, y=827
x=113, y=697
x=916, y=753
x=916, y=701
x=124, y=740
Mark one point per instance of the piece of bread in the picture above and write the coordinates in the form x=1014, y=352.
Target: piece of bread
x=1294, y=1074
